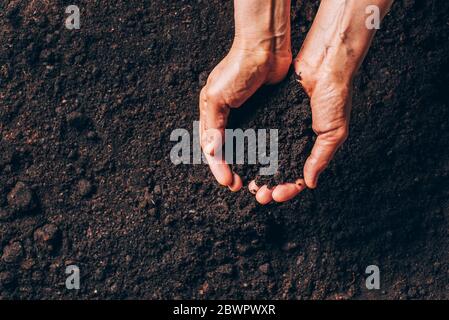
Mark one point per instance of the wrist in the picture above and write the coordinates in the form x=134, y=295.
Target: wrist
x=342, y=60
x=262, y=25
x=339, y=39
x=338, y=58
x=263, y=42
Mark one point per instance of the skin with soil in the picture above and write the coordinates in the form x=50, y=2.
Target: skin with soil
x=86, y=179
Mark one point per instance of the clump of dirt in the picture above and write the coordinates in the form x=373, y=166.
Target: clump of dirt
x=295, y=139
x=86, y=178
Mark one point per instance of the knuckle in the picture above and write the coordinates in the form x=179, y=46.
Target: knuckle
x=313, y=160
x=342, y=134
x=316, y=128
x=208, y=94
x=332, y=135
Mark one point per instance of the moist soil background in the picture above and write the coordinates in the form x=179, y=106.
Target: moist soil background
x=86, y=179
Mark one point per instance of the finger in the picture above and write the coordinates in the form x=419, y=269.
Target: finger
x=253, y=187
x=220, y=169
x=236, y=183
x=213, y=119
x=322, y=153
x=211, y=139
x=264, y=195
x=288, y=191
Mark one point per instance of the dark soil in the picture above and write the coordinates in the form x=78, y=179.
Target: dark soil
x=288, y=111
x=86, y=179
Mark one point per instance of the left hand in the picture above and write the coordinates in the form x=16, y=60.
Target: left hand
x=331, y=99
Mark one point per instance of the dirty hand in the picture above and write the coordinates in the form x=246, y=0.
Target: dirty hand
x=326, y=64
x=260, y=55
x=330, y=100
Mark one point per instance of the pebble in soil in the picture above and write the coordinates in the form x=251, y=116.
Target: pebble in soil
x=47, y=237
x=21, y=198
x=12, y=252
x=85, y=188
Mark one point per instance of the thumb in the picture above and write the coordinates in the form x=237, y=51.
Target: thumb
x=213, y=119
x=322, y=153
